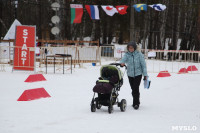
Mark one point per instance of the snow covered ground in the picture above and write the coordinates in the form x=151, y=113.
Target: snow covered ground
x=170, y=104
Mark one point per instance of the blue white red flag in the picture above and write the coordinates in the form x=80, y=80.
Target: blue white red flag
x=93, y=11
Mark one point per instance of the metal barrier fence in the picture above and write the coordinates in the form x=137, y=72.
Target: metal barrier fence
x=6, y=54
x=107, y=51
x=113, y=51
x=157, y=60
x=173, y=55
x=171, y=60
x=80, y=54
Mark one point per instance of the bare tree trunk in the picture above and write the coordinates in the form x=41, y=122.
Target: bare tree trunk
x=120, y=41
x=156, y=32
x=185, y=26
x=174, y=26
x=82, y=28
x=163, y=25
x=68, y=23
x=40, y=22
x=93, y=30
x=150, y=46
x=110, y=29
x=145, y=34
x=132, y=30
x=1, y=11
x=104, y=38
x=197, y=46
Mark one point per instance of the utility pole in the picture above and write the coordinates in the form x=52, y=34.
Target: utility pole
x=132, y=32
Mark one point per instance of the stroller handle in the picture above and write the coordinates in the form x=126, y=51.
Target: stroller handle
x=118, y=64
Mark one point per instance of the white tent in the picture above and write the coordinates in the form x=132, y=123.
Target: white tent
x=4, y=49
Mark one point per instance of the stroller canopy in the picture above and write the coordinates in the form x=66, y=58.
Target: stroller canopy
x=107, y=71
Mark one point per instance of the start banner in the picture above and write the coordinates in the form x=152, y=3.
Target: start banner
x=24, y=56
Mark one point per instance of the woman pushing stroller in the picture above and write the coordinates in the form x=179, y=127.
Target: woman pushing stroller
x=136, y=67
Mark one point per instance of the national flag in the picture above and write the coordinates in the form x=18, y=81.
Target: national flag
x=158, y=7
x=122, y=9
x=139, y=7
x=93, y=11
x=76, y=13
x=110, y=10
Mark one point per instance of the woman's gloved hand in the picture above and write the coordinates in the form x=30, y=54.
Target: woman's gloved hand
x=122, y=64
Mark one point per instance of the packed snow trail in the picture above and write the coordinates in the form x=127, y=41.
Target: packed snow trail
x=170, y=102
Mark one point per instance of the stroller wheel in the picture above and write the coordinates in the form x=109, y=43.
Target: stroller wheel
x=123, y=105
x=93, y=107
x=110, y=109
x=98, y=105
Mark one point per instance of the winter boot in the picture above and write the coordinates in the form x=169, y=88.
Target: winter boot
x=136, y=107
x=136, y=99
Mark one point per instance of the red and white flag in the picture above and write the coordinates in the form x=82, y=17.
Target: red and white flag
x=110, y=10
x=122, y=9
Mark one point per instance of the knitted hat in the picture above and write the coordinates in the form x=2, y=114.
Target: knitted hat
x=133, y=44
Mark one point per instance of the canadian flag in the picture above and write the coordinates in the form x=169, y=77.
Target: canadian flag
x=122, y=9
x=110, y=10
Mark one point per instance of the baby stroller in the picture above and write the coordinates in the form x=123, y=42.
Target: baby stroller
x=107, y=88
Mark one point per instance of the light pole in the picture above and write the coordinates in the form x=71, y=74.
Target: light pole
x=16, y=5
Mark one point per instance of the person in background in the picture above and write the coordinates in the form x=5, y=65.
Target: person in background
x=136, y=67
x=170, y=53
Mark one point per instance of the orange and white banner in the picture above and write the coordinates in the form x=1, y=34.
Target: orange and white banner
x=24, y=56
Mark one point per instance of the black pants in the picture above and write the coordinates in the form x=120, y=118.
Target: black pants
x=135, y=83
